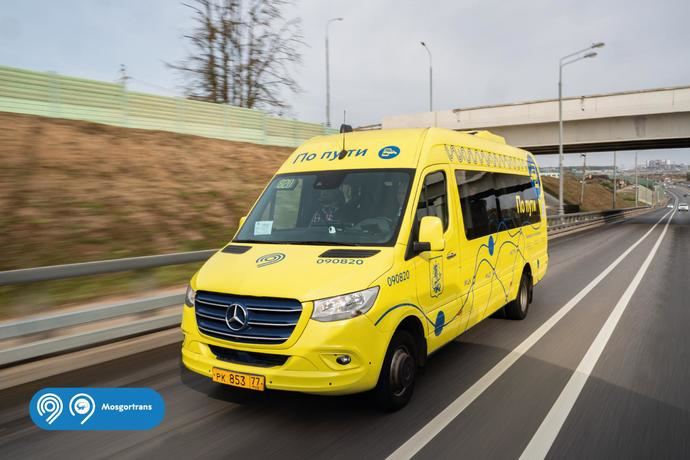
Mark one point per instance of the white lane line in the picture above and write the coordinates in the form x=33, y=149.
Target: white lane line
x=543, y=439
x=447, y=415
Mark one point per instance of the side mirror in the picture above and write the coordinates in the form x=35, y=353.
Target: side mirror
x=242, y=219
x=430, y=235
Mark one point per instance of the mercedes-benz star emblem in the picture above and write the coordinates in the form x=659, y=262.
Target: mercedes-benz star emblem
x=236, y=317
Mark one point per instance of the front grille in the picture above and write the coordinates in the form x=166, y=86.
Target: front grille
x=268, y=321
x=250, y=358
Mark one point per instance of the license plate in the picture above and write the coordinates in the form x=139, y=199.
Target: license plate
x=238, y=379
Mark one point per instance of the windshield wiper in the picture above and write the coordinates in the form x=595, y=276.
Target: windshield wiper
x=321, y=243
x=313, y=243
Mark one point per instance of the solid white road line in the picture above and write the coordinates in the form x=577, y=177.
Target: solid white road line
x=447, y=415
x=546, y=434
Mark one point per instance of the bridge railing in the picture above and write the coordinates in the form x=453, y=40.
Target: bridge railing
x=43, y=335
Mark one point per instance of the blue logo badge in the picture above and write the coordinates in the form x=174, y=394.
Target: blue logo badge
x=440, y=322
x=97, y=409
x=534, y=176
x=491, y=245
x=389, y=152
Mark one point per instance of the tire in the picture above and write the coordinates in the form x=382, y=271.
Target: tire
x=398, y=373
x=518, y=308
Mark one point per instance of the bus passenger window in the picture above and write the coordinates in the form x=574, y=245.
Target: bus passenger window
x=477, y=202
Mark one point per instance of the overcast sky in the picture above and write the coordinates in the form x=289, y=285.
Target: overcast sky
x=484, y=51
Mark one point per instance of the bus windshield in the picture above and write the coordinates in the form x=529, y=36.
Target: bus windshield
x=344, y=207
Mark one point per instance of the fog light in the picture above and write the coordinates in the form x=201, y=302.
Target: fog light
x=343, y=360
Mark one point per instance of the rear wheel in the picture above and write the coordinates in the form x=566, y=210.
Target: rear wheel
x=396, y=381
x=517, y=309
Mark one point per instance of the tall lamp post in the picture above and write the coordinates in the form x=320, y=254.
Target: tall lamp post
x=584, y=177
x=328, y=79
x=615, y=179
x=564, y=61
x=637, y=185
x=431, y=81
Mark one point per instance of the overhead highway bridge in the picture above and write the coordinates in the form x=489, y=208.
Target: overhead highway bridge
x=632, y=120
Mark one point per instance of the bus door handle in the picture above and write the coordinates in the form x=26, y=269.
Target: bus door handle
x=451, y=255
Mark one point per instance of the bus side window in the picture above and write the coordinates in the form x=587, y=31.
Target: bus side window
x=508, y=187
x=477, y=203
x=433, y=201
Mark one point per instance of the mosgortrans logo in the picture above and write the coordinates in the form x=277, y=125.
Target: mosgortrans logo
x=97, y=408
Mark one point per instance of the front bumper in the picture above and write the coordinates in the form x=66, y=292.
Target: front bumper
x=311, y=366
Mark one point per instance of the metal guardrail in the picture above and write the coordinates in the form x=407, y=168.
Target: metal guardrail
x=58, y=272
x=559, y=224
x=49, y=324
x=78, y=317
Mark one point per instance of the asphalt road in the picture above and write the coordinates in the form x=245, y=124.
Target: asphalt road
x=633, y=402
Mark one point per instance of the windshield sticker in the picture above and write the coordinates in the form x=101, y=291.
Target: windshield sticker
x=263, y=227
x=329, y=155
x=287, y=183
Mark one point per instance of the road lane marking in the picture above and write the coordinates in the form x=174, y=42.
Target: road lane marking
x=543, y=439
x=447, y=415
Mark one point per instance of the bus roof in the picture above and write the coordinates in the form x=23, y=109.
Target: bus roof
x=406, y=148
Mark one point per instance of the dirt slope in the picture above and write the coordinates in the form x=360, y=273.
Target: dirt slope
x=73, y=191
x=597, y=197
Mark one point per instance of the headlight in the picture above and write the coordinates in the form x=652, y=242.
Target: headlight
x=345, y=306
x=189, y=296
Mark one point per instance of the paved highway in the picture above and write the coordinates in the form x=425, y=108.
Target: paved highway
x=615, y=305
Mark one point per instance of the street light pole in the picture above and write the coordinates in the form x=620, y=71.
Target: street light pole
x=615, y=180
x=564, y=61
x=328, y=79
x=584, y=176
x=431, y=80
x=637, y=185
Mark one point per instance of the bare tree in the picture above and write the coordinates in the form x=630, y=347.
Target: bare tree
x=243, y=53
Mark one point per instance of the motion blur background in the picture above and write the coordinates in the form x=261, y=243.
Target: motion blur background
x=116, y=141
x=145, y=128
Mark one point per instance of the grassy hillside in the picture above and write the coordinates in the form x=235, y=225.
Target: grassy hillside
x=597, y=195
x=73, y=191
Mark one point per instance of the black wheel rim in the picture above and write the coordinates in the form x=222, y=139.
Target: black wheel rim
x=523, y=297
x=402, y=370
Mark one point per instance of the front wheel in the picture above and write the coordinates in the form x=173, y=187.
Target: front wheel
x=517, y=309
x=396, y=381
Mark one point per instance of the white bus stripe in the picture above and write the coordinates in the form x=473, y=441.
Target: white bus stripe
x=438, y=423
x=543, y=439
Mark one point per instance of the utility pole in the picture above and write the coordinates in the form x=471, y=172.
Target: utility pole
x=124, y=102
x=328, y=77
x=584, y=176
x=123, y=75
x=431, y=79
x=637, y=185
x=615, y=180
